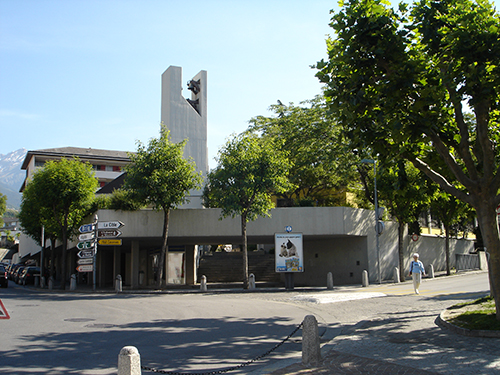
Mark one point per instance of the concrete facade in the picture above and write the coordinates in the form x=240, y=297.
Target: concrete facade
x=340, y=240
x=187, y=119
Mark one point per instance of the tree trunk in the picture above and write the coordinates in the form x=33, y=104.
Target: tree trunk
x=489, y=229
x=163, y=252
x=401, y=230
x=52, y=257
x=63, y=258
x=447, y=248
x=245, y=250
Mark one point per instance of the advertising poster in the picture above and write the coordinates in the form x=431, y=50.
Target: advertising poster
x=289, y=252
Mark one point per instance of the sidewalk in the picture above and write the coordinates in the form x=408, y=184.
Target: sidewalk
x=409, y=342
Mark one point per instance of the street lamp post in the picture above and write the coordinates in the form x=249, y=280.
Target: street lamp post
x=377, y=231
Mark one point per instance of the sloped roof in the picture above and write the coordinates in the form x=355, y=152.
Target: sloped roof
x=87, y=153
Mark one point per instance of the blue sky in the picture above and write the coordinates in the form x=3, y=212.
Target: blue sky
x=87, y=73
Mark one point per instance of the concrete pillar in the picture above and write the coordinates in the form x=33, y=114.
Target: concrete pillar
x=191, y=251
x=364, y=278
x=51, y=283
x=311, y=353
x=117, y=260
x=118, y=284
x=72, y=285
x=431, y=271
x=203, y=284
x=100, y=267
x=483, y=260
x=129, y=361
x=251, y=281
x=329, y=281
x=396, y=275
x=134, y=264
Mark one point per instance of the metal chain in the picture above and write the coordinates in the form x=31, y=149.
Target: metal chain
x=145, y=368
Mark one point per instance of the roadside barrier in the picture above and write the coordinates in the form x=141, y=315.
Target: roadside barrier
x=129, y=360
x=364, y=278
x=329, y=281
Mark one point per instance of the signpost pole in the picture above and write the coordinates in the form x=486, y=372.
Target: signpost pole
x=95, y=253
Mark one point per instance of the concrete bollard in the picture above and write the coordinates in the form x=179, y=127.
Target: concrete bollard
x=251, y=281
x=431, y=271
x=311, y=352
x=396, y=275
x=129, y=361
x=118, y=284
x=42, y=282
x=72, y=284
x=203, y=284
x=51, y=283
x=364, y=278
x=329, y=281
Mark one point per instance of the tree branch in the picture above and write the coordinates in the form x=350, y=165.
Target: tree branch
x=441, y=181
x=450, y=161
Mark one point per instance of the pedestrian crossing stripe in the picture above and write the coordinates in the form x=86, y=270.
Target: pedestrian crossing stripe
x=3, y=312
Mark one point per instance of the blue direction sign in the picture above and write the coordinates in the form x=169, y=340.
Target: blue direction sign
x=86, y=228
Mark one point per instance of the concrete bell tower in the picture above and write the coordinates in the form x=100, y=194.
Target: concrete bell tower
x=187, y=119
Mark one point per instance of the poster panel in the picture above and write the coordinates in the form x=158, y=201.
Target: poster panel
x=289, y=252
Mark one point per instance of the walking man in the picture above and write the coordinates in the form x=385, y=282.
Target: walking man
x=416, y=271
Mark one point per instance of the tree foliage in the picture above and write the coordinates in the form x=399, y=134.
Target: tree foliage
x=159, y=176
x=400, y=82
x=3, y=207
x=58, y=197
x=322, y=163
x=249, y=171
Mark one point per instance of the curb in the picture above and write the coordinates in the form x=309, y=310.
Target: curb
x=442, y=321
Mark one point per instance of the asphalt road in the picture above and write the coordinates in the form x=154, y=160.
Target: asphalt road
x=82, y=333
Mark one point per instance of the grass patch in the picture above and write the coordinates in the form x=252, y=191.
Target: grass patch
x=480, y=314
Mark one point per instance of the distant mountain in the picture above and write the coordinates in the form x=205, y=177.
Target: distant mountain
x=12, y=177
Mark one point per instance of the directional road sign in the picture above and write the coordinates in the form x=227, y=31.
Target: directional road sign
x=109, y=224
x=110, y=242
x=85, y=268
x=86, y=254
x=85, y=261
x=86, y=236
x=108, y=233
x=86, y=228
x=85, y=245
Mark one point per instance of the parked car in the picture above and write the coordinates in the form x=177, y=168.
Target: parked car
x=28, y=275
x=3, y=277
x=17, y=274
x=12, y=269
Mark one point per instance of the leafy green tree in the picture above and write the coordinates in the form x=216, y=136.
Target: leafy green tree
x=249, y=171
x=322, y=164
x=402, y=190
x=159, y=176
x=400, y=82
x=3, y=207
x=59, y=197
x=450, y=211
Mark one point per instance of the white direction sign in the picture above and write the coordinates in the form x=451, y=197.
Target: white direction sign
x=85, y=268
x=86, y=254
x=109, y=224
x=86, y=236
x=108, y=233
x=85, y=261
